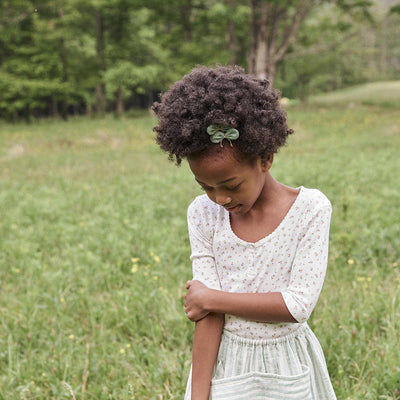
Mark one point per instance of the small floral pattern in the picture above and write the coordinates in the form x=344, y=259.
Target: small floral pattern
x=291, y=260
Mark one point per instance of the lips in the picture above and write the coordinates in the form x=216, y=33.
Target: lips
x=232, y=209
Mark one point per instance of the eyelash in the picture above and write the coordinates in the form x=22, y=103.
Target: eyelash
x=234, y=189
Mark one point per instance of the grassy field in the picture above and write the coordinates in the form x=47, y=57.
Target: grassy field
x=94, y=253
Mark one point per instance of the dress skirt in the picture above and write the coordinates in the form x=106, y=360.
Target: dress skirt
x=290, y=367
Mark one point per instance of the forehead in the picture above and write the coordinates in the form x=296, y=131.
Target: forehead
x=216, y=168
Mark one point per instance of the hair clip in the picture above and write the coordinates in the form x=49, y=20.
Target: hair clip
x=219, y=133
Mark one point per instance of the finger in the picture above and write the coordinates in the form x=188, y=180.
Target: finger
x=188, y=283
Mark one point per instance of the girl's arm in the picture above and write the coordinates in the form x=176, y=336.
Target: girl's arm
x=208, y=329
x=262, y=307
x=207, y=336
x=294, y=303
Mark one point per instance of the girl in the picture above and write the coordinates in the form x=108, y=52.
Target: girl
x=259, y=248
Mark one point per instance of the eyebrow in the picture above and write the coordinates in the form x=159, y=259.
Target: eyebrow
x=218, y=183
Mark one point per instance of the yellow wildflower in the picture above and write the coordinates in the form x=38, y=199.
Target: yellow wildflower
x=135, y=268
x=163, y=290
x=122, y=351
x=350, y=261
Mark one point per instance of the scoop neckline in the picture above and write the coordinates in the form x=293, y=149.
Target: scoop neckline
x=270, y=235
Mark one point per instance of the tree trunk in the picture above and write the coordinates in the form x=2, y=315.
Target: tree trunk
x=274, y=26
x=100, y=51
x=120, y=102
x=100, y=99
x=28, y=114
x=64, y=73
x=232, y=44
x=232, y=47
x=186, y=20
x=89, y=109
x=261, y=63
x=53, y=107
x=254, y=29
x=383, y=47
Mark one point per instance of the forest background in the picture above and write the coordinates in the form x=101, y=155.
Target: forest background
x=61, y=58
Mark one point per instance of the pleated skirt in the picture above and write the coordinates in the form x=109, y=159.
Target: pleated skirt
x=291, y=367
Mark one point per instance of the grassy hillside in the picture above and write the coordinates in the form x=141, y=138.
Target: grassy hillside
x=94, y=253
x=382, y=94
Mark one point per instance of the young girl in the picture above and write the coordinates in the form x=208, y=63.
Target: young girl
x=259, y=248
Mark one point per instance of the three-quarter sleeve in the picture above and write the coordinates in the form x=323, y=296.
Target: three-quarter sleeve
x=309, y=266
x=202, y=255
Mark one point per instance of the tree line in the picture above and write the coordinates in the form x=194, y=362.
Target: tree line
x=65, y=57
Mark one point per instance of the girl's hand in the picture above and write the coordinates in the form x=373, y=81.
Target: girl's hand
x=195, y=300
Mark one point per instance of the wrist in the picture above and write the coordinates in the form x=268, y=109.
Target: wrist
x=210, y=300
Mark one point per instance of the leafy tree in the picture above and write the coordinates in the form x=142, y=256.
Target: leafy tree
x=335, y=49
x=66, y=56
x=37, y=68
x=201, y=32
x=26, y=81
x=136, y=61
x=275, y=27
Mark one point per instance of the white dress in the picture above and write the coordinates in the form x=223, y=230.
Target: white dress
x=258, y=360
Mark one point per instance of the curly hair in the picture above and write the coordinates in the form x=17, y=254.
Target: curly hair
x=224, y=96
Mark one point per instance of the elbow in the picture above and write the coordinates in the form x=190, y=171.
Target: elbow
x=298, y=307
x=299, y=314
x=301, y=318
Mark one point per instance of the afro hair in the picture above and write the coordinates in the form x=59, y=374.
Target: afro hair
x=224, y=96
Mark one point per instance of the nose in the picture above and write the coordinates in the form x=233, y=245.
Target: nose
x=222, y=199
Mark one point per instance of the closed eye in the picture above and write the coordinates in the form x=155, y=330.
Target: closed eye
x=235, y=188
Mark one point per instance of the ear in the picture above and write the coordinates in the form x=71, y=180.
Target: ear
x=267, y=163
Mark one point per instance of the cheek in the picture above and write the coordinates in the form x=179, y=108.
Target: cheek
x=256, y=188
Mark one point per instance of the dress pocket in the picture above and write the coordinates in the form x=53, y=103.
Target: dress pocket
x=262, y=386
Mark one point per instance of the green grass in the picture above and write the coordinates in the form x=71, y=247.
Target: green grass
x=382, y=94
x=94, y=254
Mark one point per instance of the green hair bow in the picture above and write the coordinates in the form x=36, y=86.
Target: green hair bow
x=219, y=133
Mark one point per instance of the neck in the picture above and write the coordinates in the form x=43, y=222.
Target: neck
x=271, y=192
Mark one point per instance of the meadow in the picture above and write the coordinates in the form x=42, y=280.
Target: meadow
x=94, y=253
